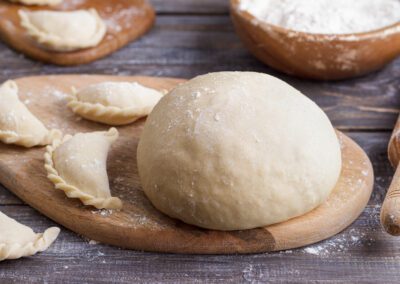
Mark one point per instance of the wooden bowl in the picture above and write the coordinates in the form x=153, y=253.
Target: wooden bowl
x=316, y=56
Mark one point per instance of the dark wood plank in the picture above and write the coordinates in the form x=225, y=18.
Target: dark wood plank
x=7, y=198
x=191, y=6
x=187, y=46
x=357, y=254
x=353, y=255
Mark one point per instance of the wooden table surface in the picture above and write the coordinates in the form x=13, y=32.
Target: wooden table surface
x=193, y=37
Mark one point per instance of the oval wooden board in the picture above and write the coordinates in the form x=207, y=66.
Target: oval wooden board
x=139, y=225
x=126, y=21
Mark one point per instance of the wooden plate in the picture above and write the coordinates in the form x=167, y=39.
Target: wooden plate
x=139, y=225
x=126, y=21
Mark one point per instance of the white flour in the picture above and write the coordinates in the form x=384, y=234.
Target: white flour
x=325, y=16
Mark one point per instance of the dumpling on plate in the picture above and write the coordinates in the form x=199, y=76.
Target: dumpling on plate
x=77, y=165
x=64, y=30
x=17, y=124
x=114, y=103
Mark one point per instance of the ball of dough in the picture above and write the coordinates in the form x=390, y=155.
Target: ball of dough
x=237, y=150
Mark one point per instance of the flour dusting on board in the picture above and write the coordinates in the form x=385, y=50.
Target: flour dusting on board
x=121, y=18
x=103, y=212
x=116, y=16
x=51, y=91
x=58, y=98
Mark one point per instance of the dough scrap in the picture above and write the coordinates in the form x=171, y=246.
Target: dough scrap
x=17, y=124
x=77, y=165
x=38, y=2
x=17, y=240
x=114, y=103
x=64, y=30
x=237, y=150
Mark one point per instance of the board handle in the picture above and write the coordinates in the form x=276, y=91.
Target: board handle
x=390, y=212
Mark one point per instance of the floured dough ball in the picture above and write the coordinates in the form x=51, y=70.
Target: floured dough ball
x=237, y=150
x=64, y=30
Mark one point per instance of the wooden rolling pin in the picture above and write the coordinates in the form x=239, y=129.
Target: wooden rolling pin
x=390, y=212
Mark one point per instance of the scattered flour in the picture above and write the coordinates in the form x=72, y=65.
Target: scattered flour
x=103, y=212
x=350, y=239
x=93, y=242
x=325, y=16
x=338, y=244
x=252, y=273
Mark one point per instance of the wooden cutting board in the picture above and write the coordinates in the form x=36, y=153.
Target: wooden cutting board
x=139, y=225
x=126, y=21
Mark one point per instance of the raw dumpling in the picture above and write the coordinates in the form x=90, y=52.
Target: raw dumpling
x=64, y=30
x=17, y=240
x=114, y=103
x=38, y=2
x=17, y=124
x=77, y=165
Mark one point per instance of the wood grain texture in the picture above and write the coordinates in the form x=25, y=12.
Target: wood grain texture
x=390, y=212
x=138, y=225
x=192, y=42
x=184, y=7
x=361, y=253
x=186, y=46
x=119, y=18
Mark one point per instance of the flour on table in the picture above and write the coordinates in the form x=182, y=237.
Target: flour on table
x=350, y=239
x=93, y=242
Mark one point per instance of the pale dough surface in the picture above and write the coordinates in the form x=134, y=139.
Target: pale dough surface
x=237, y=150
x=38, y=2
x=77, y=165
x=114, y=103
x=64, y=30
x=17, y=240
x=17, y=124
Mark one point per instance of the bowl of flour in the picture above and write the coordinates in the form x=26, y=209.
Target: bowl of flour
x=320, y=39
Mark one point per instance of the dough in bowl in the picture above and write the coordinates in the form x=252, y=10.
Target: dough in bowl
x=237, y=150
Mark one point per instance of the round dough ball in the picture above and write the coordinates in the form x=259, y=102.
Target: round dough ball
x=237, y=150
